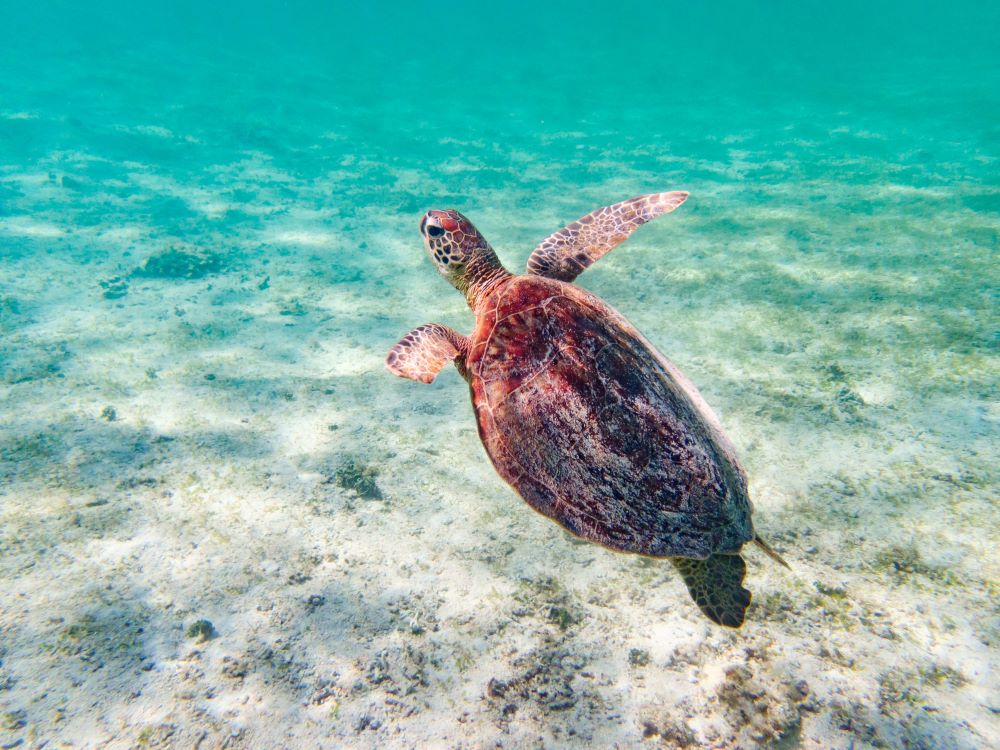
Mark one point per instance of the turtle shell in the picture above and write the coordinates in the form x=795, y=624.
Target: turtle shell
x=598, y=431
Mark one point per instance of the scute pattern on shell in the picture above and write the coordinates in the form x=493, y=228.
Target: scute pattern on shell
x=588, y=425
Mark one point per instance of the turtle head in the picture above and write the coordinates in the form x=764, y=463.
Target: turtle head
x=459, y=251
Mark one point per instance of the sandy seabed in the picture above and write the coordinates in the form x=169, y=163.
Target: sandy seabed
x=207, y=434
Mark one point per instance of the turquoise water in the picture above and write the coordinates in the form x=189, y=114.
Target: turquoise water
x=208, y=241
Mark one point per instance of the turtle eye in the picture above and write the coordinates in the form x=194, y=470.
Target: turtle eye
x=434, y=231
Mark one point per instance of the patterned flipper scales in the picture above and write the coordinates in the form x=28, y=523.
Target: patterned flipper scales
x=715, y=586
x=565, y=254
x=422, y=352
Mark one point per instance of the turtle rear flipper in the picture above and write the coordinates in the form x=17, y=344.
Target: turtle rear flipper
x=715, y=586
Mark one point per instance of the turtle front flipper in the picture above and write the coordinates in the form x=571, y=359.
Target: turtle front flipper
x=422, y=352
x=565, y=254
x=715, y=586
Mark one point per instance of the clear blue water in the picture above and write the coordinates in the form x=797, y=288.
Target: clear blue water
x=831, y=285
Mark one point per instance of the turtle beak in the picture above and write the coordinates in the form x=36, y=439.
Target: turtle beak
x=423, y=224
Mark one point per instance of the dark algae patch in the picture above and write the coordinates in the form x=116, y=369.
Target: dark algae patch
x=638, y=657
x=13, y=720
x=110, y=637
x=181, y=264
x=114, y=288
x=10, y=308
x=561, y=616
x=359, y=478
x=202, y=631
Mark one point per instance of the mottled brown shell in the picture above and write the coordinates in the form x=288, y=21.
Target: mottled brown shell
x=598, y=431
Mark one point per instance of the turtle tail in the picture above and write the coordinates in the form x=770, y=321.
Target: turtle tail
x=770, y=552
x=715, y=586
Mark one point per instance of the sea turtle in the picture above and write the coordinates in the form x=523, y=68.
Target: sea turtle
x=580, y=414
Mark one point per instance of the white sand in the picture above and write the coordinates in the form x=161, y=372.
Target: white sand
x=447, y=614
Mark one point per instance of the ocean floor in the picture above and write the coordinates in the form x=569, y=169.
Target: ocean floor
x=224, y=524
